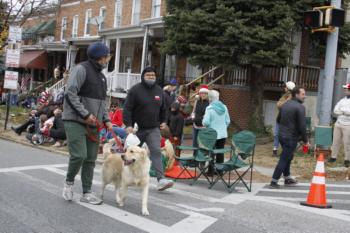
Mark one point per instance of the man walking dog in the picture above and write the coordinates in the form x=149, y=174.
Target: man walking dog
x=145, y=105
x=84, y=109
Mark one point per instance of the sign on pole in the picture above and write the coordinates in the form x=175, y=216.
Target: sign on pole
x=15, y=33
x=13, y=57
x=11, y=80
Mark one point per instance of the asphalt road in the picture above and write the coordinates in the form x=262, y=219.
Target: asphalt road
x=30, y=201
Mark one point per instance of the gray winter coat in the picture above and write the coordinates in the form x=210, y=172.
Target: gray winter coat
x=85, y=93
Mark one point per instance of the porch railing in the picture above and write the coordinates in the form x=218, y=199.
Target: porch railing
x=274, y=77
x=121, y=82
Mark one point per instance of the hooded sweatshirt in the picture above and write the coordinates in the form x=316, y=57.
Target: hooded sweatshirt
x=145, y=105
x=216, y=117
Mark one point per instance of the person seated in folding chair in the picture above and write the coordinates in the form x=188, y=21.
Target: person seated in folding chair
x=217, y=117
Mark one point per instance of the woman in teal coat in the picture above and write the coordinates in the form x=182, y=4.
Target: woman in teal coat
x=217, y=117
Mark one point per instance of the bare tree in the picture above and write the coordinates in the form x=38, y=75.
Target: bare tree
x=16, y=12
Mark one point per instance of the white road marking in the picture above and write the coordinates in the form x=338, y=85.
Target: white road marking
x=195, y=222
x=289, y=190
x=327, y=185
x=24, y=168
x=217, y=210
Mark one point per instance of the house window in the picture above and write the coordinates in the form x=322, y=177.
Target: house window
x=63, y=28
x=170, y=67
x=88, y=16
x=156, y=6
x=118, y=14
x=136, y=10
x=103, y=17
x=75, y=26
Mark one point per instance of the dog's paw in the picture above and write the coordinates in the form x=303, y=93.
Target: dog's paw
x=120, y=203
x=145, y=212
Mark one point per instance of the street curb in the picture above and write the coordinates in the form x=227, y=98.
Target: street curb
x=48, y=149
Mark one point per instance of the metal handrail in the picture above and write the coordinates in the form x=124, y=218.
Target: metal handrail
x=210, y=83
x=201, y=76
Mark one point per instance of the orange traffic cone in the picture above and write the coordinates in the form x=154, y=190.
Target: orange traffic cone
x=317, y=193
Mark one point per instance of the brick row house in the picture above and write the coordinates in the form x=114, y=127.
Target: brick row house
x=133, y=30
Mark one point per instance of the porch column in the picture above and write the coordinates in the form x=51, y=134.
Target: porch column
x=72, y=56
x=31, y=80
x=144, y=49
x=117, y=55
x=68, y=58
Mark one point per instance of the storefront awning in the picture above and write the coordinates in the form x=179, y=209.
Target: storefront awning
x=33, y=60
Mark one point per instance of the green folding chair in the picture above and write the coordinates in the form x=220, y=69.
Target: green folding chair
x=206, y=144
x=242, y=156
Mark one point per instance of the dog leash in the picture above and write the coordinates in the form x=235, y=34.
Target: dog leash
x=92, y=137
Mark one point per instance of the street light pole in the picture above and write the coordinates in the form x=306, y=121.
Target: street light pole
x=329, y=73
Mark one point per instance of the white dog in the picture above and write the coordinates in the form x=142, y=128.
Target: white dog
x=131, y=169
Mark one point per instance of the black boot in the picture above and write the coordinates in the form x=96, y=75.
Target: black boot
x=16, y=130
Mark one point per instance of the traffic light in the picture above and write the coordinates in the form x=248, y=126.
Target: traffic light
x=335, y=17
x=313, y=19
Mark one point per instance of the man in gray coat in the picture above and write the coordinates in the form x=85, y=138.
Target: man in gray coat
x=84, y=110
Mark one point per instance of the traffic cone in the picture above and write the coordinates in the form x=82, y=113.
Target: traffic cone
x=317, y=193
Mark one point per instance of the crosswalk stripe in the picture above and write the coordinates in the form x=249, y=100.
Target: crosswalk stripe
x=300, y=191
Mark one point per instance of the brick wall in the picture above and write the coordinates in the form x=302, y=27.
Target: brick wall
x=80, y=10
x=146, y=9
x=126, y=13
x=238, y=103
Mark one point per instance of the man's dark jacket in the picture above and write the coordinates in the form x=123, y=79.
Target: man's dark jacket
x=144, y=105
x=291, y=121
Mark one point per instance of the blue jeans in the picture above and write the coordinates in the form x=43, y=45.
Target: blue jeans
x=276, y=142
x=283, y=167
x=118, y=131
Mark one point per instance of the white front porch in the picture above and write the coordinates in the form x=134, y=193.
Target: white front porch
x=118, y=84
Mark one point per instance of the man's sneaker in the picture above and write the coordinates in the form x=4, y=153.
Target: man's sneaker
x=274, y=185
x=290, y=182
x=274, y=153
x=91, y=198
x=331, y=160
x=67, y=192
x=346, y=163
x=164, y=184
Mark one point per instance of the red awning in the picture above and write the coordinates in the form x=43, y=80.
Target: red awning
x=33, y=60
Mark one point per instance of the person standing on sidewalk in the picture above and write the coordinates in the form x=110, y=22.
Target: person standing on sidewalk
x=198, y=113
x=84, y=108
x=292, y=125
x=288, y=87
x=217, y=117
x=341, y=134
x=145, y=106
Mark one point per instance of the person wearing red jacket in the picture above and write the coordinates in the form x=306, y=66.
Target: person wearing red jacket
x=116, y=117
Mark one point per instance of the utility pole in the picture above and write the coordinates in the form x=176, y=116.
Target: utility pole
x=329, y=73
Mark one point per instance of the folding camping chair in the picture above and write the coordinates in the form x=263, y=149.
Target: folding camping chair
x=242, y=156
x=201, y=161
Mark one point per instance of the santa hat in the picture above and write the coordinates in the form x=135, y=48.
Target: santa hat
x=203, y=89
x=347, y=86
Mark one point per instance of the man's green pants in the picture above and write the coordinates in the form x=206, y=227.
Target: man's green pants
x=83, y=153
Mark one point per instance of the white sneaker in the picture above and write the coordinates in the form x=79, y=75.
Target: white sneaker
x=91, y=198
x=164, y=184
x=67, y=192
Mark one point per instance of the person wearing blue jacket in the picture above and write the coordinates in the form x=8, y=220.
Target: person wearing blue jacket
x=217, y=117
